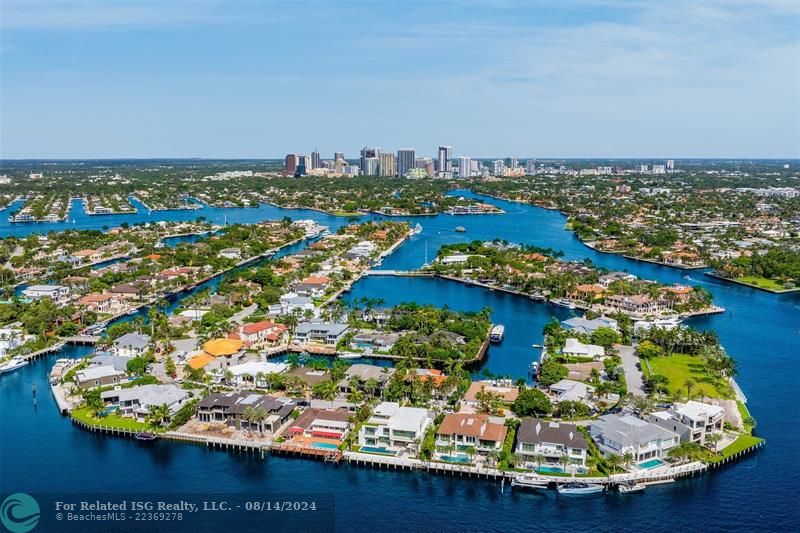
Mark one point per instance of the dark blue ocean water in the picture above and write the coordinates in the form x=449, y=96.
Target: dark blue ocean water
x=43, y=454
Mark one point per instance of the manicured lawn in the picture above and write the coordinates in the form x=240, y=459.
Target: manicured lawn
x=678, y=368
x=758, y=281
x=113, y=420
x=341, y=213
x=741, y=443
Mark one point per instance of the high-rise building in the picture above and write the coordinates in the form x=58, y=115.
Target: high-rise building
x=337, y=156
x=444, y=160
x=367, y=153
x=303, y=165
x=512, y=162
x=290, y=165
x=658, y=169
x=387, y=165
x=369, y=166
x=670, y=164
x=498, y=167
x=640, y=168
x=315, y=159
x=405, y=160
x=464, y=167
x=427, y=164
x=530, y=167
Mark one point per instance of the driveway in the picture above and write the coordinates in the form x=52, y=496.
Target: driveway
x=633, y=376
x=244, y=313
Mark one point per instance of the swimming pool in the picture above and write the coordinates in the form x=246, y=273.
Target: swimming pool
x=547, y=469
x=375, y=449
x=652, y=463
x=550, y=469
x=325, y=446
x=456, y=459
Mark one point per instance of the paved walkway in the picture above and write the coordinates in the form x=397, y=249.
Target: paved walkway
x=633, y=376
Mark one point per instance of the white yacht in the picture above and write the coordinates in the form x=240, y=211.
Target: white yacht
x=13, y=364
x=497, y=333
x=578, y=488
x=530, y=481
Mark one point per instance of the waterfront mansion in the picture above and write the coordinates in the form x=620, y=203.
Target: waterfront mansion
x=545, y=444
x=392, y=427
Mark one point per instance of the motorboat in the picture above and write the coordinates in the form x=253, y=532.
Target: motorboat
x=530, y=481
x=460, y=229
x=562, y=303
x=350, y=355
x=13, y=364
x=625, y=488
x=146, y=436
x=534, y=370
x=497, y=333
x=579, y=488
x=416, y=230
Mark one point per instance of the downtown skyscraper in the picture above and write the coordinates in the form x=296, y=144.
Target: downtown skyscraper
x=443, y=161
x=406, y=158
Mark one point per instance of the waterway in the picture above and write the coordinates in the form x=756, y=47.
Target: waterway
x=43, y=454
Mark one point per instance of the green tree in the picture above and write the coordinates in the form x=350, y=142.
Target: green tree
x=531, y=402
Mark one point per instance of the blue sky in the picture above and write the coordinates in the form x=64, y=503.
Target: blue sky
x=581, y=78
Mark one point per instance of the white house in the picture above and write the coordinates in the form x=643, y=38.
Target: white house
x=57, y=293
x=329, y=333
x=136, y=401
x=231, y=253
x=575, y=348
x=132, y=345
x=251, y=372
x=393, y=427
x=692, y=420
x=621, y=434
x=569, y=390
x=292, y=301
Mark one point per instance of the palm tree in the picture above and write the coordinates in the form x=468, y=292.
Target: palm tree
x=689, y=384
x=258, y=417
x=471, y=451
x=564, y=460
x=157, y=415
x=713, y=439
x=249, y=415
x=614, y=461
x=627, y=460
x=538, y=459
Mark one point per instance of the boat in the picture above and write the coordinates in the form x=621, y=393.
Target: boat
x=534, y=369
x=349, y=355
x=530, y=481
x=13, y=364
x=537, y=346
x=460, y=229
x=578, y=488
x=625, y=488
x=562, y=303
x=416, y=230
x=497, y=333
x=146, y=436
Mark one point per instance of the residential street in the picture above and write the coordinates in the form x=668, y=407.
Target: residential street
x=633, y=376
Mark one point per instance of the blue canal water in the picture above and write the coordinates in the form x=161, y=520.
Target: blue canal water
x=43, y=454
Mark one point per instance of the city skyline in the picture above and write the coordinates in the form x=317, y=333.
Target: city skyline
x=595, y=79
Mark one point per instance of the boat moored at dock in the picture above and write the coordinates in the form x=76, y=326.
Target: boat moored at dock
x=577, y=488
x=13, y=364
x=497, y=333
x=530, y=481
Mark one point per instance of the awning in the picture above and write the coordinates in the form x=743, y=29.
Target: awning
x=329, y=434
